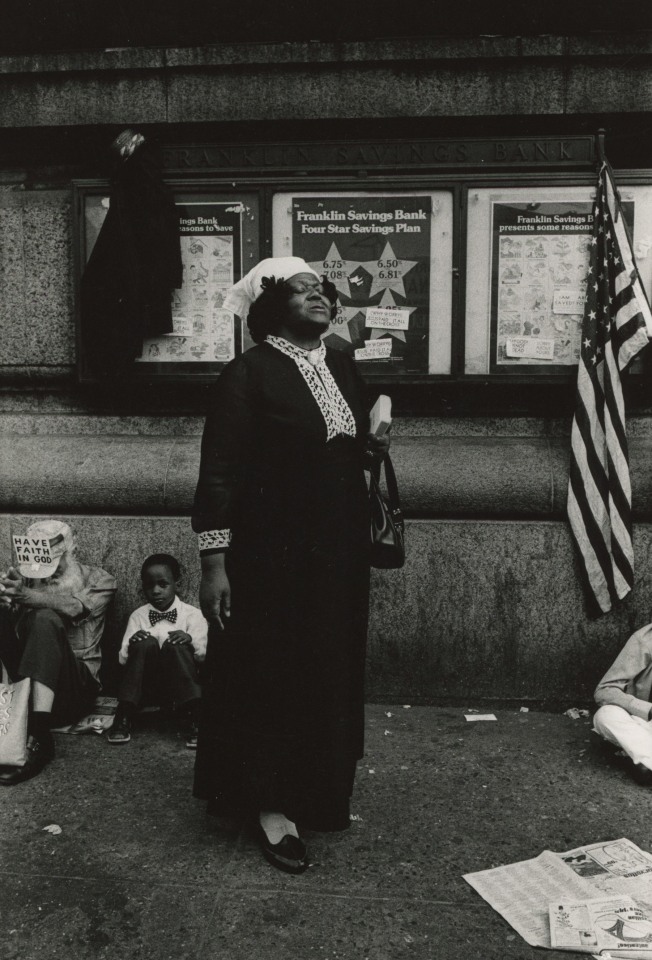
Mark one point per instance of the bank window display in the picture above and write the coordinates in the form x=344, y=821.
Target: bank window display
x=390, y=256
x=220, y=240
x=527, y=270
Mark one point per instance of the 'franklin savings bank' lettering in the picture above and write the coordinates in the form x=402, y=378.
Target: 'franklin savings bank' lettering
x=372, y=154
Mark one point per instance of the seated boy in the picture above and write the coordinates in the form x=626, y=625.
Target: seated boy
x=625, y=707
x=163, y=642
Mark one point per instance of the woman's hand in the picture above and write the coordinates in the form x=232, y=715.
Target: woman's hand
x=215, y=590
x=377, y=447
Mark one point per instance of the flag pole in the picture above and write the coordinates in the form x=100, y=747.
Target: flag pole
x=599, y=145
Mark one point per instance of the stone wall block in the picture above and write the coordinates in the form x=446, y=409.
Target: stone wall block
x=125, y=475
x=14, y=336
x=36, y=312
x=486, y=609
x=468, y=476
x=47, y=252
x=598, y=86
x=78, y=99
x=365, y=90
x=182, y=474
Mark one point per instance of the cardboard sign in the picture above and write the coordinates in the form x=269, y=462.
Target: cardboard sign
x=568, y=301
x=183, y=327
x=387, y=318
x=30, y=550
x=532, y=348
x=375, y=350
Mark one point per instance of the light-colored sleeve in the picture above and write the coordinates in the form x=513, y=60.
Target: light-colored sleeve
x=635, y=657
x=197, y=627
x=95, y=596
x=133, y=624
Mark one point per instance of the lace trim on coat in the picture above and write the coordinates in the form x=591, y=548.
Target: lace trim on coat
x=214, y=539
x=312, y=365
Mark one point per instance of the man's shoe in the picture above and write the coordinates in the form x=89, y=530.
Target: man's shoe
x=289, y=854
x=38, y=756
x=191, y=733
x=120, y=730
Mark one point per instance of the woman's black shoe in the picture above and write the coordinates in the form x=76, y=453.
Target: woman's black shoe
x=289, y=854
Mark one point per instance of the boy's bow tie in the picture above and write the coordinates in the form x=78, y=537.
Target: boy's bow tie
x=156, y=615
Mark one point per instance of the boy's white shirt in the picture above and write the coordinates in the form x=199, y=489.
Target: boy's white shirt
x=189, y=619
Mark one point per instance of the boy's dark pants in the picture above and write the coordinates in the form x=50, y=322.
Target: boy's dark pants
x=159, y=674
x=34, y=643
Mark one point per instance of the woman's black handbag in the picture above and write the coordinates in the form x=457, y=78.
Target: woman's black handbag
x=387, y=524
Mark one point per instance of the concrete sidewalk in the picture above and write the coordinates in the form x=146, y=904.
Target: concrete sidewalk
x=139, y=873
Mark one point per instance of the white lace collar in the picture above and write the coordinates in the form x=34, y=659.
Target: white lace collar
x=314, y=357
x=312, y=365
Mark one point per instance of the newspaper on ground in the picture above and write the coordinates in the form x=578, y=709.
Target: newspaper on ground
x=617, y=925
x=523, y=893
x=614, y=868
x=96, y=722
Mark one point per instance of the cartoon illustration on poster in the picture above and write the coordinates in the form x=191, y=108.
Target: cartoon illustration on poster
x=540, y=267
x=376, y=251
x=212, y=257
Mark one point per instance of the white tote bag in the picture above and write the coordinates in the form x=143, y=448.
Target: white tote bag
x=14, y=711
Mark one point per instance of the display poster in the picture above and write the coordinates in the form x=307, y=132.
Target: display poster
x=539, y=270
x=376, y=250
x=211, y=253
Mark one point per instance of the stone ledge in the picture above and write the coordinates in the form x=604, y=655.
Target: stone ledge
x=408, y=77
x=438, y=476
x=409, y=49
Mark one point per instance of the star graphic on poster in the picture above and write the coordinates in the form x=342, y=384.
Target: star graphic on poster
x=341, y=326
x=388, y=271
x=336, y=269
x=387, y=300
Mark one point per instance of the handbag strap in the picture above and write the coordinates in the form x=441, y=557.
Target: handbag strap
x=390, y=481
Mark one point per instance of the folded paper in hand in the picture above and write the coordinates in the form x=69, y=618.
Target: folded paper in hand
x=380, y=417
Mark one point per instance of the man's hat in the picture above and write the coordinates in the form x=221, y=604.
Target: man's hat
x=59, y=539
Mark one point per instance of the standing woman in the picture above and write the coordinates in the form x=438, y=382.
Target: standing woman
x=282, y=514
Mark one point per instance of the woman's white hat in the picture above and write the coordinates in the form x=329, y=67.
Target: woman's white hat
x=242, y=294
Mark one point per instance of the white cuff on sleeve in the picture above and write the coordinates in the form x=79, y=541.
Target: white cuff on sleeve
x=214, y=540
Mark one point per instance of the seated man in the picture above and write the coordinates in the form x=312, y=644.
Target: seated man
x=51, y=623
x=624, y=696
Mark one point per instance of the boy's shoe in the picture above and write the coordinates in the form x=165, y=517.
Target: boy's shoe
x=191, y=732
x=120, y=730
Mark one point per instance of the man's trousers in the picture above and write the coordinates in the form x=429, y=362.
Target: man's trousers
x=34, y=643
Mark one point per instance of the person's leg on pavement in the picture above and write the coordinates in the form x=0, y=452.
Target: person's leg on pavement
x=139, y=675
x=631, y=734
x=180, y=682
x=62, y=688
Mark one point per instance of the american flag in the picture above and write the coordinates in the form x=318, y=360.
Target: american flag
x=616, y=325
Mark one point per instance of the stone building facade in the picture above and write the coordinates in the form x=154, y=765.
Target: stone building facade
x=489, y=605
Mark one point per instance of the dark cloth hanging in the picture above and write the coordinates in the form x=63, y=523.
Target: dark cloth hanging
x=283, y=699
x=135, y=264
